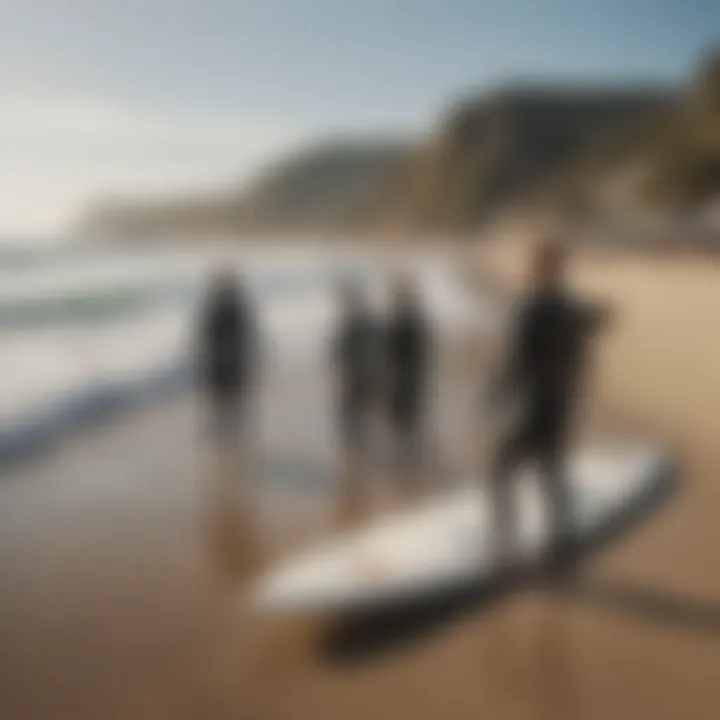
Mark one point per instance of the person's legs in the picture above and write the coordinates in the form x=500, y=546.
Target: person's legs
x=408, y=439
x=411, y=438
x=355, y=461
x=557, y=491
x=512, y=450
x=399, y=424
x=228, y=417
x=354, y=424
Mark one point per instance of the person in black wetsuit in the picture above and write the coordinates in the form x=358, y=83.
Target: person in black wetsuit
x=542, y=372
x=356, y=355
x=407, y=366
x=227, y=352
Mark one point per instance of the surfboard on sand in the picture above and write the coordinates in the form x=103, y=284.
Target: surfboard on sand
x=444, y=543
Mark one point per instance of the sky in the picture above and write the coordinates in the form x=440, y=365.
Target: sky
x=150, y=97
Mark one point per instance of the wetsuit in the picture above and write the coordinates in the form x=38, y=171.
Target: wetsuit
x=543, y=370
x=227, y=354
x=356, y=357
x=407, y=359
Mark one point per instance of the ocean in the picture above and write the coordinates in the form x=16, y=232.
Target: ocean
x=88, y=332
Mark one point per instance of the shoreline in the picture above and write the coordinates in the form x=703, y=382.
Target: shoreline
x=118, y=556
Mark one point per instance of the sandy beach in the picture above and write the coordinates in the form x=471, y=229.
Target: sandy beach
x=124, y=554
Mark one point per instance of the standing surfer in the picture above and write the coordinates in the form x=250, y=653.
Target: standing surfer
x=356, y=356
x=407, y=370
x=541, y=376
x=228, y=346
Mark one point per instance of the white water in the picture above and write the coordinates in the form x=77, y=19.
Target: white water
x=47, y=364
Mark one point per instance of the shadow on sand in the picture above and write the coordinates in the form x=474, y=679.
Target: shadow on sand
x=649, y=604
x=366, y=634
x=228, y=519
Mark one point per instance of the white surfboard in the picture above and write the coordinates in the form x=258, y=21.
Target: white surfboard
x=445, y=542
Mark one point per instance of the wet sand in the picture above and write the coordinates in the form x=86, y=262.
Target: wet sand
x=123, y=556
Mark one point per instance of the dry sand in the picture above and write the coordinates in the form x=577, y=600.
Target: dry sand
x=119, y=564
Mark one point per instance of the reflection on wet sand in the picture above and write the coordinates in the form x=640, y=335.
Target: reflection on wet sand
x=371, y=482
x=552, y=664
x=229, y=515
x=355, y=501
x=530, y=655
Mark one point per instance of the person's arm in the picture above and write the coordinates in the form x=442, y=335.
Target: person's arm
x=202, y=339
x=425, y=349
x=590, y=319
x=596, y=317
x=506, y=374
x=339, y=348
x=256, y=351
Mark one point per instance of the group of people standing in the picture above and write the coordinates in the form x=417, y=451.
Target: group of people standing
x=383, y=370
x=381, y=365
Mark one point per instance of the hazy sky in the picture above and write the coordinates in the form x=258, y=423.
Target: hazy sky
x=156, y=95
